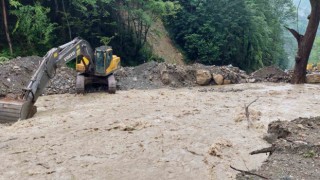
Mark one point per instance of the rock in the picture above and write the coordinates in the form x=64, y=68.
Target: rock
x=226, y=81
x=313, y=78
x=165, y=78
x=218, y=78
x=252, y=80
x=17, y=68
x=203, y=77
x=242, y=81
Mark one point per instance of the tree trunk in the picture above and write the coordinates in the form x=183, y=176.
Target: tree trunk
x=6, y=26
x=305, y=43
x=56, y=15
x=66, y=16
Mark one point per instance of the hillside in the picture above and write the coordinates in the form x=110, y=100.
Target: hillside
x=162, y=45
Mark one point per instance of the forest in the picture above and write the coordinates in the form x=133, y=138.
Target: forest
x=249, y=34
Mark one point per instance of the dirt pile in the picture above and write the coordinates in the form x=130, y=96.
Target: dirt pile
x=270, y=74
x=295, y=151
x=155, y=75
x=16, y=74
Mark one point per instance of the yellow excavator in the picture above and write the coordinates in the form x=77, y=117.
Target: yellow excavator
x=93, y=67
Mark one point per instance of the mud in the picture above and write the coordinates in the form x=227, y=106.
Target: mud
x=295, y=152
x=148, y=134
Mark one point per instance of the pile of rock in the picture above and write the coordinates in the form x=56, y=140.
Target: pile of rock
x=16, y=74
x=223, y=75
x=155, y=75
x=63, y=82
x=270, y=74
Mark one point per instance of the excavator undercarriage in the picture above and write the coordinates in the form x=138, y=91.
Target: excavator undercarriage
x=83, y=80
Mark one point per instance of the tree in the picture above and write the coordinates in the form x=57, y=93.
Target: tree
x=33, y=26
x=134, y=19
x=5, y=21
x=244, y=33
x=305, y=43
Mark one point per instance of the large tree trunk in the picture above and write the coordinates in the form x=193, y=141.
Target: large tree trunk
x=4, y=12
x=305, y=43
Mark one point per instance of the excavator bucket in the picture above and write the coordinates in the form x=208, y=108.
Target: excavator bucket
x=14, y=110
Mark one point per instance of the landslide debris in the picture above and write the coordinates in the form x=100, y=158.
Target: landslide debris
x=155, y=75
x=16, y=74
x=270, y=74
x=295, y=150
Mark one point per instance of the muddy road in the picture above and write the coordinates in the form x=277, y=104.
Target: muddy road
x=189, y=133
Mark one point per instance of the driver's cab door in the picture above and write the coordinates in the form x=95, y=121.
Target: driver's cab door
x=103, y=58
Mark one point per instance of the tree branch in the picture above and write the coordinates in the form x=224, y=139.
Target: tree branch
x=294, y=33
x=247, y=113
x=248, y=173
x=269, y=150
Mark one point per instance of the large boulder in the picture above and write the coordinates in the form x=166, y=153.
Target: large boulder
x=203, y=77
x=313, y=78
x=218, y=78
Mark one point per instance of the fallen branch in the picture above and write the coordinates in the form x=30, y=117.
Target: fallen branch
x=246, y=108
x=248, y=173
x=269, y=150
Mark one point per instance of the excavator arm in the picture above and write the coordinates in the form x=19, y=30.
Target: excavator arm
x=12, y=110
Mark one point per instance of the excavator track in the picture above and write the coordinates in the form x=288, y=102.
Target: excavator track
x=80, y=84
x=112, y=85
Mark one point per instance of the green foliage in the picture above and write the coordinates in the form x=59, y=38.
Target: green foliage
x=310, y=154
x=3, y=59
x=134, y=19
x=244, y=33
x=315, y=53
x=33, y=25
x=105, y=40
x=147, y=55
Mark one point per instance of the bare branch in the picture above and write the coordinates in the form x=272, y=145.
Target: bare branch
x=248, y=173
x=295, y=33
x=269, y=150
x=246, y=108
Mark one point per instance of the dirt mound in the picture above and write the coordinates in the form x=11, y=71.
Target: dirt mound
x=16, y=74
x=295, y=152
x=155, y=75
x=270, y=74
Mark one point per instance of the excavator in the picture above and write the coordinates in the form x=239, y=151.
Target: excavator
x=93, y=67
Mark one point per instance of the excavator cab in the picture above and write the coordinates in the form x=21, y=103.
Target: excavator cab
x=105, y=62
x=103, y=57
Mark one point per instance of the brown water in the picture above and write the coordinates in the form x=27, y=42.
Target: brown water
x=154, y=134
